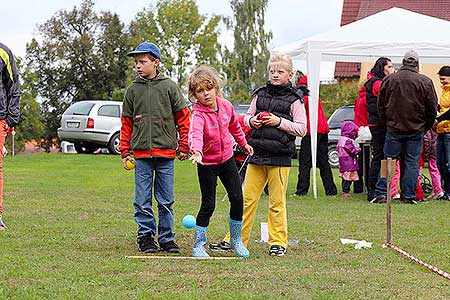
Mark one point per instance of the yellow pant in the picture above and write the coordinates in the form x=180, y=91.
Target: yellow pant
x=255, y=179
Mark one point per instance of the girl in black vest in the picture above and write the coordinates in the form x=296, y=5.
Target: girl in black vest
x=277, y=115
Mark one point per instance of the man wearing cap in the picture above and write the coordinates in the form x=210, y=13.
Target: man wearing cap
x=155, y=126
x=407, y=107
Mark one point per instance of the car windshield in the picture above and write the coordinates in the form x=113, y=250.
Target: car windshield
x=79, y=108
x=241, y=109
x=341, y=115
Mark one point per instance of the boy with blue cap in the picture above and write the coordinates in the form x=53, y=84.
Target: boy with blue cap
x=153, y=112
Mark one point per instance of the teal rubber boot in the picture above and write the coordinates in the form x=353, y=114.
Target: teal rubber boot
x=199, y=242
x=236, y=238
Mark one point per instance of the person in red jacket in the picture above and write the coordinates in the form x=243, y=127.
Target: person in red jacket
x=305, y=160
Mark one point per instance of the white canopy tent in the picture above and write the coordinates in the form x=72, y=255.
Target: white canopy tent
x=389, y=33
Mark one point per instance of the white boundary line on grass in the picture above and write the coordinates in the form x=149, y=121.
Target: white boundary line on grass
x=180, y=257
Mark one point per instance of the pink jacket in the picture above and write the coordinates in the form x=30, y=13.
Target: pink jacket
x=210, y=132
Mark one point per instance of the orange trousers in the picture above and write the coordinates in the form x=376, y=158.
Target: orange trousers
x=3, y=129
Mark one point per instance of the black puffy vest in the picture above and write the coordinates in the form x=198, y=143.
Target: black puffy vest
x=371, y=101
x=271, y=145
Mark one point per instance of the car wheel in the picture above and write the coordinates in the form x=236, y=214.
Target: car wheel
x=114, y=142
x=85, y=148
x=333, y=157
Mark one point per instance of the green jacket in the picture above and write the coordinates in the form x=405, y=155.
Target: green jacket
x=151, y=103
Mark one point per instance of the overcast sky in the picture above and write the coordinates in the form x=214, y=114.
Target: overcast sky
x=289, y=20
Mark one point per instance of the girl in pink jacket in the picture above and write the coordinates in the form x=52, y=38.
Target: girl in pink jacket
x=214, y=122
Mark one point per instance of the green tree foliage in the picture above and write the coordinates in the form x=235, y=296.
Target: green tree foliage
x=248, y=61
x=338, y=94
x=184, y=36
x=31, y=125
x=82, y=55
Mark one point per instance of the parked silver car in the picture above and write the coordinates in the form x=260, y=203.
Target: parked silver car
x=91, y=125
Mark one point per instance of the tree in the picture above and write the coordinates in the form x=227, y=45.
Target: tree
x=249, y=59
x=82, y=56
x=184, y=36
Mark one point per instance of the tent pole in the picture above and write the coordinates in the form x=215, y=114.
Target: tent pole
x=313, y=65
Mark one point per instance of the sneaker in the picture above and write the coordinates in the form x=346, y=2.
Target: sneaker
x=332, y=193
x=440, y=196
x=277, y=250
x=298, y=195
x=2, y=225
x=222, y=246
x=444, y=197
x=408, y=201
x=424, y=200
x=170, y=247
x=147, y=245
x=346, y=195
x=379, y=199
x=396, y=196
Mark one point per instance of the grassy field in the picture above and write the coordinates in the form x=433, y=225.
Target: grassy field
x=70, y=226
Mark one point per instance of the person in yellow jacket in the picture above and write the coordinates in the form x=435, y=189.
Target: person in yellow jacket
x=443, y=130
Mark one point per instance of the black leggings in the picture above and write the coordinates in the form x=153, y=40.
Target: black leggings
x=346, y=186
x=228, y=175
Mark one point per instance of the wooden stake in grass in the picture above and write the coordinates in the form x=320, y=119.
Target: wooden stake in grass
x=388, y=171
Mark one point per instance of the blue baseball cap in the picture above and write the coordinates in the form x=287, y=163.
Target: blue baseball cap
x=146, y=47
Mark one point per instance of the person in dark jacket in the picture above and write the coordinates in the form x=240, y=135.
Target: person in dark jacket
x=305, y=160
x=381, y=68
x=407, y=107
x=348, y=156
x=9, y=106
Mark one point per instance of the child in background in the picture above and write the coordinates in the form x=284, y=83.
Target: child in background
x=348, y=156
x=153, y=112
x=395, y=194
x=213, y=120
x=429, y=154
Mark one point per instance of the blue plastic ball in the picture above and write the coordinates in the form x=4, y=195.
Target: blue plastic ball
x=189, y=221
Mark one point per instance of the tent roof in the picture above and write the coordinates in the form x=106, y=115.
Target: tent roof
x=388, y=33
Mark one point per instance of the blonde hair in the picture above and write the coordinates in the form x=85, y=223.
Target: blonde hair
x=205, y=77
x=280, y=61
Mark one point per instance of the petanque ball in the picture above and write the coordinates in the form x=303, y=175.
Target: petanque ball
x=189, y=221
x=129, y=164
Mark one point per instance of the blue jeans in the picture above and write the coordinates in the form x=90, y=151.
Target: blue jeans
x=405, y=147
x=443, y=159
x=162, y=170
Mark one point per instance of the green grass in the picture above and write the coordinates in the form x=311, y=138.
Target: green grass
x=70, y=220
